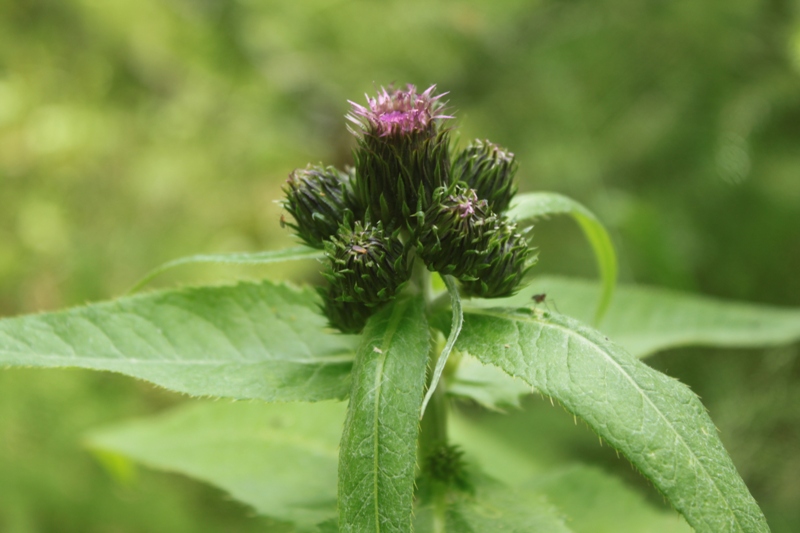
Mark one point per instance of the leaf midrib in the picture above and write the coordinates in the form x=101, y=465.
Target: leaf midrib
x=602, y=350
x=343, y=358
x=305, y=444
x=391, y=329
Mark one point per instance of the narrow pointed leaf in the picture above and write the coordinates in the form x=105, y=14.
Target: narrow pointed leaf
x=528, y=207
x=646, y=320
x=279, y=458
x=378, y=449
x=250, y=340
x=657, y=422
x=455, y=329
x=239, y=258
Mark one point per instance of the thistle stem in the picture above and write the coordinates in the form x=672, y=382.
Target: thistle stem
x=432, y=437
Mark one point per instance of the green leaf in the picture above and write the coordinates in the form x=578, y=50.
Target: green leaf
x=240, y=258
x=492, y=508
x=646, y=320
x=657, y=422
x=485, y=384
x=455, y=329
x=597, y=502
x=250, y=340
x=527, y=207
x=279, y=458
x=378, y=449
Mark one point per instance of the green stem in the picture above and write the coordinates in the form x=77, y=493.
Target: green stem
x=432, y=436
x=433, y=426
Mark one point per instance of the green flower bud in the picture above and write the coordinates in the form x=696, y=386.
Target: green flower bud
x=347, y=317
x=446, y=465
x=365, y=265
x=505, y=264
x=489, y=170
x=319, y=199
x=452, y=231
x=402, y=156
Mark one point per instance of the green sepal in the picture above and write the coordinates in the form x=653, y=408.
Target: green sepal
x=490, y=170
x=397, y=173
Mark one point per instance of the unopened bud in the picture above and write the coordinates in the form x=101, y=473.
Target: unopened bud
x=505, y=264
x=319, y=199
x=347, y=317
x=366, y=265
x=452, y=230
x=489, y=170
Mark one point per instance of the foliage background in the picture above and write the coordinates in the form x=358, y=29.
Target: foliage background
x=134, y=133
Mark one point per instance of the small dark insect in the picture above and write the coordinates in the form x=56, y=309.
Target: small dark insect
x=283, y=220
x=541, y=298
x=359, y=249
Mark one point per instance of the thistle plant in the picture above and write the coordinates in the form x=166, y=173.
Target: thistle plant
x=426, y=303
x=403, y=177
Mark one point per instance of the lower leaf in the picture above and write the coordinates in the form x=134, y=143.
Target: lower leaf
x=492, y=507
x=279, y=458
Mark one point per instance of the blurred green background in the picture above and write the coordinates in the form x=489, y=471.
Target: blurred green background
x=132, y=133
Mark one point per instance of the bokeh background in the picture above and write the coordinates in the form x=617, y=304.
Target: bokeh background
x=132, y=133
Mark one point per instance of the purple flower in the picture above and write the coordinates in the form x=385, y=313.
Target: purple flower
x=398, y=112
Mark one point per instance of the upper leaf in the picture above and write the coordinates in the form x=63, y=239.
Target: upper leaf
x=657, y=422
x=279, y=458
x=646, y=320
x=237, y=258
x=251, y=340
x=379, y=443
x=527, y=207
x=455, y=329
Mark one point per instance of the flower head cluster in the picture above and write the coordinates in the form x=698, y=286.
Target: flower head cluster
x=405, y=195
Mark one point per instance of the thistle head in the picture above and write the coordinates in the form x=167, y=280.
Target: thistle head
x=508, y=258
x=402, y=155
x=366, y=265
x=396, y=112
x=452, y=231
x=347, y=317
x=319, y=199
x=490, y=170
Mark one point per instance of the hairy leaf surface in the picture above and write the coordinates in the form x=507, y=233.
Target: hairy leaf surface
x=279, y=458
x=657, y=422
x=250, y=340
x=378, y=449
x=646, y=320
